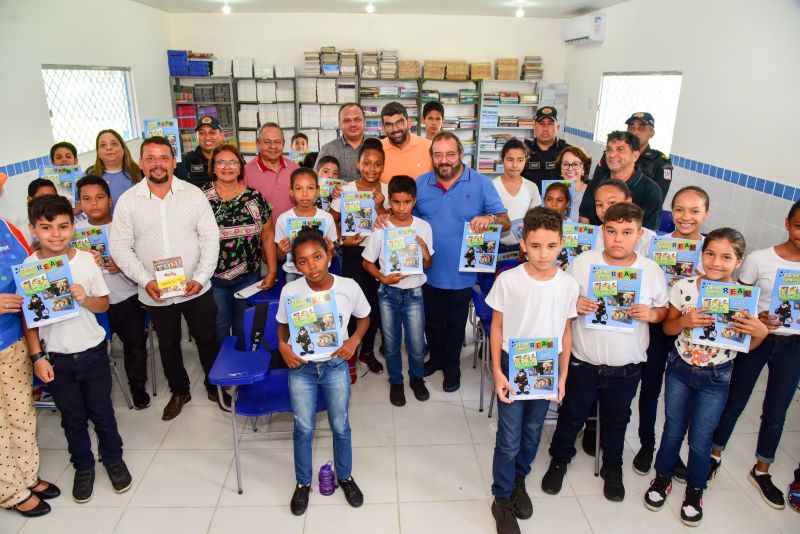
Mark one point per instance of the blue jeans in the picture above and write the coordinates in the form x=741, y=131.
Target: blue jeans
x=693, y=399
x=333, y=378
x=230, y=310
x=402, y=310
x=782, y=355
x=519, y=428
x=652, y=377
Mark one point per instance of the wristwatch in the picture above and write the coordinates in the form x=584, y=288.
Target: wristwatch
x=494, y=218
x=41, y=355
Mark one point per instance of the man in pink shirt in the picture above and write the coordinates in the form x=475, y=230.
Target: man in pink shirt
x=269, y=173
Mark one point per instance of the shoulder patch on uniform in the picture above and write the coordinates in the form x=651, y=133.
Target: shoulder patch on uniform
x=667, y=174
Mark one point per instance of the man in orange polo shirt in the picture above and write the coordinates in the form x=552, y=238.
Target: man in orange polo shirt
x=406, y=153
x=270, y=172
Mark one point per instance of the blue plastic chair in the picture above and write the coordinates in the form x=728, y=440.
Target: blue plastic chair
x=103, y=320
x=667, y=225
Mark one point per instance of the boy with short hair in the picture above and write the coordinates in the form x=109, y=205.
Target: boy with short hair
x=400, y=296
x=433, y=118
x=534, y=300
x=606, y=366
x=39, y=187
x=328, y=167
x=299, y=142
x=126, y=314
x=77, y=367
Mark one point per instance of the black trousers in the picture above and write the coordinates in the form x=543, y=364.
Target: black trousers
x=351, y=268
x=446, y=312
x=127, y=320
x=201, y=316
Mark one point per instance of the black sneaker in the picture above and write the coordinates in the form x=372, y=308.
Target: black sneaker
x=613, y=489
x=120, y=476
x=420, y=391
x=397, y=394
x=714, y=467
x=141, y=399
x=679, y=471
x=504, y=519
x=554, y=477
x=657, y=493
x=589, y=441
x=375, y=367
x=352, y=492
x=83, y=485
x=692, y=507
x=769, y=493
x=300, y=499
x=643, y=460
x=520, y=501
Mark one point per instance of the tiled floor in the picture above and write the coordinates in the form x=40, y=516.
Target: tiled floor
x=424, y=468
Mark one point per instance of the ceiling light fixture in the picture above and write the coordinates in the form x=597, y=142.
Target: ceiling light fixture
x=370, y=8
x=519, y=13
x=226, y=9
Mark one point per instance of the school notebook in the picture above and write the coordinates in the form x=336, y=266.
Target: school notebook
x=533, y=368
x=614, y=290
x=358, y=213
x=479, y=250
x=170, y=277
x=92, y=239
x=401, y=252
x=64, y=178
x=785, y=303
x=724, y=302
x=326, y=188
x=44, y=286
x=314, y=325
x=578, y=238
x=678, y=258
x=164, y=128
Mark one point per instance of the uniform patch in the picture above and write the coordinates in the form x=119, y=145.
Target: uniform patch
x=668, y=174
x=638, y=115
x=550, y=165
x=534, y=165
x=198, y=167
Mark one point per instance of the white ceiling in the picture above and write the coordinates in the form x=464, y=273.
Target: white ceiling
x=506, y=8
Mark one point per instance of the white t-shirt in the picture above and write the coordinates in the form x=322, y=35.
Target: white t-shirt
x=373, y=250
x=526, y=198
x=350, y=300
x=336, y=203
x=281, y=232
x=683, y=296
x=82, y=332
x=602, y=347
x=121, y=287
x=533, y=308
x=759, y=269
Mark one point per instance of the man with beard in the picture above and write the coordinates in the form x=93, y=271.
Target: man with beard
x=447, y=197
x=194, y=167
x=345, y=148
x=162, y=218
x=406, y=154
x=270, y=173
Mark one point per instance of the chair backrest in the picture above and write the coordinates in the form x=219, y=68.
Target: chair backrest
x=103, y=320
x=667, y=225
x=270, y=339
x=336, y=266
x=482, y=310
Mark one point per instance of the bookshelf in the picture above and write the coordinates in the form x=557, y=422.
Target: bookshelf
x=318, y=99
x=194, y=97
x=261, y=100
x=375, y=93
x=461, y=101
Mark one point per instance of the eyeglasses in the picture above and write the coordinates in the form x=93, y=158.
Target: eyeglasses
x=161, y=159
x=222, y=164
x=438, y=156
x=574, y=165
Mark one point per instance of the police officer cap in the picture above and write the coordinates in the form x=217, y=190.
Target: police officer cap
x=643, y=116
x=547, y=112
x=208, y=121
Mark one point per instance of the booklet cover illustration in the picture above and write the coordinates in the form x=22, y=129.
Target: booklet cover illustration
x=479, y=250
x=516, y=228
x=785, y=302
x=44, y=286
x=91, y=239
x=326, y=188
x=315, y=328
x=170, y=277
x=578, y=238
x=164, y=128
x=401, y=252
x=724, y=301
x=297, y=156
x=64, y=178
x=533, y=368
x=615, y=290
x=678, y=258
x=358, y=214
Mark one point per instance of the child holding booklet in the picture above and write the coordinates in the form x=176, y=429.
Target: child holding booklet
x=533, y=300
x=400, y=295
x=328, y=168
x=311, y=253
x=303, y=188
x=779, y=352
x=697, y=377
x=77, y=367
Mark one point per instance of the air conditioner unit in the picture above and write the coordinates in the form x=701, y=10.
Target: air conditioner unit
x=584, y=29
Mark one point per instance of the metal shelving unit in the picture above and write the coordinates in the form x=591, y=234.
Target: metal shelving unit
x=181, y=86
x=372, y=104
x=319, y=135
x=454, y=110
x=246, y=131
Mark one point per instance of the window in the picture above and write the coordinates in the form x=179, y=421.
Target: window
x=624, y=93
x=84, y=100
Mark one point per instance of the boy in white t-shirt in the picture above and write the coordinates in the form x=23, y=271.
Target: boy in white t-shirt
x=399, y=295
x=533, y=300
x=126, y=314
x=606, y=366
x=303, y=188
x=77, y=369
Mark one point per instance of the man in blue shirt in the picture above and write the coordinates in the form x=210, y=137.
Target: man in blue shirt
x=447, y=197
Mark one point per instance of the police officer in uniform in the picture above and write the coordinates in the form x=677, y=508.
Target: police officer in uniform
x=194, y=167
x=545, y=148
x=653, y=163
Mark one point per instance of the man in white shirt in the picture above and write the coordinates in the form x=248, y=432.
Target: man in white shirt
x=162, y=218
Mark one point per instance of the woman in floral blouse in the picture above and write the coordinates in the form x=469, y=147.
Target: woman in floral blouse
x=246, y=237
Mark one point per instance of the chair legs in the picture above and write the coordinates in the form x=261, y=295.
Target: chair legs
x=237, y=459
x=122, y=385
x=597, y=442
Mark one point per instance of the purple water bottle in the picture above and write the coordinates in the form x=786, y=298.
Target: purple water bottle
x=327, y=483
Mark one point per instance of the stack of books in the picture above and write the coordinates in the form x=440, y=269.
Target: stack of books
x=365, y=91
x=326, y=91
x=348, y=62
x=430, y=95
x=480, y=71
x=372, y=127
x=412, y=110
x=369, y=64
x=388, y=64
x=507, y=121
x=246, y=91
x=409, y=68
x=456, y=70
x=312, y=67
x=506, y=69
x=509, y=97
x=486, y=165
x=532, y=68
x=467, y=122
x=409, y=91
x=182, y=93
x=450, y=123
x=469, y=146
x=307, y=90
x=247, y=142
x=434, y=69
x=243, y=67
x=346, y=90
x=248, y=116
x=525, y=122
x=389, y=91
x=526, y=98
x=329, y=60
x=489, y=118
x=491, y=99
x=468, y=96
x=448, y=98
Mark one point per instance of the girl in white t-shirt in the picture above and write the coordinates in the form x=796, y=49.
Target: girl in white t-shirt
x=517, y=194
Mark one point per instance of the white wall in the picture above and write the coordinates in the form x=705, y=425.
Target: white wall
x=89, y=32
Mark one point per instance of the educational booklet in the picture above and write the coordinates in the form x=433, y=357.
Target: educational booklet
x=93, y=238
x=533, y=368
x=325, y=196
x=678, y=258
x=64, y=178
x=569, y=184
x=479, y=250
x=506, y=256
x=578, y=238
x=297, y=155
x=44, y=286
x=315, y=329
x=516, y=228
x=724, y=302
x=170, y=277
x=401, y=252
x=164, y=128
x=785, y=303
x=615, y=290
x=295, y=224
x=358, y=215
